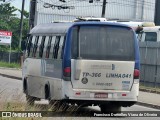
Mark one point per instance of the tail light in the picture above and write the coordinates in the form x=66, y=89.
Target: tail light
x=136, y=74
x=67, y=72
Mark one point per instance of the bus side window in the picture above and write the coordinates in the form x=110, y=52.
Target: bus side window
x=45, y=52
x=35, y=46
x=52, y=46
x=41, y=47
x=56, y=47
x=31, y=46
x=38, y=47
x=60, y=47
x=28, y=48
x=48, y=54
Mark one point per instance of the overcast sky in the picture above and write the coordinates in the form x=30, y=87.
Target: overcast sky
x=18, y=4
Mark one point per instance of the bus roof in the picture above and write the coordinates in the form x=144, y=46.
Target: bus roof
x=61, y=28
x=50, y=28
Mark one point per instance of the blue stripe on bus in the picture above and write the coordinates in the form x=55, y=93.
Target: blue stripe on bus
x=67, y=50
x=137, y=55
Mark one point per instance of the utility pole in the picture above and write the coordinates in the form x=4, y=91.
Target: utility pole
x=103, y=9
x=157, y=13
x=21, y=23
x=32, y=12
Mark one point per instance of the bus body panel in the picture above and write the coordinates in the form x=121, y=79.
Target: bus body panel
x=102, y=75
x=89, y=94
x=41, y=72
x=36, y=87
x=32, y=67
x=43, y=67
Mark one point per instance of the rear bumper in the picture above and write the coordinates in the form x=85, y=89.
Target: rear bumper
x=112, y=95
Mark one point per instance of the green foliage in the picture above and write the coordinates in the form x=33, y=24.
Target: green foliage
x=10, y=22
x=25, y=13
x=7, y=10
x=4, y=48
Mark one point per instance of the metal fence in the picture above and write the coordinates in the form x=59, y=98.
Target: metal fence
x=150, y=64
x=15, y=57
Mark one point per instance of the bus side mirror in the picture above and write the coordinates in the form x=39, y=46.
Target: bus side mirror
x=23, y=45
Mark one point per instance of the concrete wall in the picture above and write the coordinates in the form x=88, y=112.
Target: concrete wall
x=150, y=64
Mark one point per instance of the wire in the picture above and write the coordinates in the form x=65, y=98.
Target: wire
x=114, y=3
x=95, y=8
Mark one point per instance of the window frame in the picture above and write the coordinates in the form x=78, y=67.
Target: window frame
x=32, y=46
x=56, y=47
x=28, y=48
x=35, y=46
x=41, y=47
x=48, y=47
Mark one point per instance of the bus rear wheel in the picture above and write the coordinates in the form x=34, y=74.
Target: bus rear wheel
x=110, y=108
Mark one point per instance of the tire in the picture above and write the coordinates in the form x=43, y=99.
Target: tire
x=110, y=108
x=30, y=100
x=47, y=92
x=25, y=86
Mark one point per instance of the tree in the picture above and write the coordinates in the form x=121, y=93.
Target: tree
x=7, y=10
x=25, y=13
x=10, y=22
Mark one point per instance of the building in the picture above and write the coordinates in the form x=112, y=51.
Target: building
x=47, y=11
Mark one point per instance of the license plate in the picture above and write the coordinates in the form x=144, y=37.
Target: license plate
x=100, y=95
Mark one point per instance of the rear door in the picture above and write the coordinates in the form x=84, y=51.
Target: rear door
x=102, y=58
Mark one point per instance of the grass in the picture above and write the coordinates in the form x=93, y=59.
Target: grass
x=11, y=65
x=149, y=89
x=20, y=106
x=16, y=104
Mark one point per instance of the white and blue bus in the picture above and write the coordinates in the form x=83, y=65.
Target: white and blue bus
x=83, y=63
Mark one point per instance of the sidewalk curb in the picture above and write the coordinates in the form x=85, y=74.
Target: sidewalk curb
x=10, y=76
x=148, y=105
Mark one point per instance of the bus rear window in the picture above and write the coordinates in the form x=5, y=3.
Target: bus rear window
x=103, y=43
